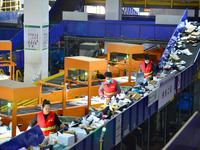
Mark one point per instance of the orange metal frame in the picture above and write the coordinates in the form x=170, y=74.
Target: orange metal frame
x=60, y=96
x=9, y=92
x=84, y=63
x=7, y=46
x=54, y=85
x=125, y=48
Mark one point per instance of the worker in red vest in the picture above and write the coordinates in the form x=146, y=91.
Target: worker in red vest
x=46, y=119
x=148, y=67
x=109, y=87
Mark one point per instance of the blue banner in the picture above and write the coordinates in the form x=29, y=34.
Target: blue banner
x=179, y=29
x=31, y=137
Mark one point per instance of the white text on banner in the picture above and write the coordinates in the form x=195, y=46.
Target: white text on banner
x=166, y=90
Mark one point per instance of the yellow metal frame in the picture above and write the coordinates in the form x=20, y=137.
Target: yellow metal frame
x=10, y=5
x=146, y=3
x=49, y=78
x=1, y=71
x=18, y=73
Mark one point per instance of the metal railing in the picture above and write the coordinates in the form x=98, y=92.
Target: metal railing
x=147, y=3
x=1, y=71
x=18, y=73
x=54, y=85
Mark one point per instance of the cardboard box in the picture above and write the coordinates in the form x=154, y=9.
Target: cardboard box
x=41, y=147
x=130, y=93
x=136, y=96
x=88, y=128
x=34, y=148
x=190, y=30
x=195, y=33
x=152, y=83
x=175, y=58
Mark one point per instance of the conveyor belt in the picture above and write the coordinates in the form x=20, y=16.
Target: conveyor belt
x=59, y=80
x=7, y=24
x=190, y=59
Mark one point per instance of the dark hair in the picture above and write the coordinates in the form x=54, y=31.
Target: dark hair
x=46, y=102
x=108, y=74
x=146, y=57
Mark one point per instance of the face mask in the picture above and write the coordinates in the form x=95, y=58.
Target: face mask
x=108, y=81
x=146, y=62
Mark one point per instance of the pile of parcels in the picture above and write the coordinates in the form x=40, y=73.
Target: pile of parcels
x=190, y=36
x=4, y=77
x=79, y=128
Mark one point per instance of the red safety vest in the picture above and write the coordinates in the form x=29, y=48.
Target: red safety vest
x=109, y=91
x=148, y=73
x=48, y=126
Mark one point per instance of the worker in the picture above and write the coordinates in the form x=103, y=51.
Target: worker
x=46, y=119
x=109, y=87
x=148, y=67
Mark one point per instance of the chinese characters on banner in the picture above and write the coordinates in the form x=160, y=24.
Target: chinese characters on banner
x=166, y=90
x=118, y=129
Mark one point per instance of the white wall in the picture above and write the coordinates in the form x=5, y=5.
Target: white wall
x=113, y=10
x=177, y=12
x=74, y=15
x=168, y=19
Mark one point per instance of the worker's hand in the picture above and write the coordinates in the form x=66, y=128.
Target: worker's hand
x=62, y=125
x=111, y=97
x=102, y=98
x=66, y=127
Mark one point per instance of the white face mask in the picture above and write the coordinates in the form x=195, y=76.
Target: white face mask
x=146, y=62
x=108, y=81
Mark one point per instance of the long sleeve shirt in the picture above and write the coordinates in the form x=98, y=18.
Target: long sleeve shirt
x=118, y=89
x=34, y=121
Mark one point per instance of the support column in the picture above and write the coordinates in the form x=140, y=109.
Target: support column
x=14, y=118
x=113, y=10
x=36, y=39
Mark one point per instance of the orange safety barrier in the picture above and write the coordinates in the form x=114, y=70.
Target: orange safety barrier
x=54, y=85
x=124, y=48
x=7, y=46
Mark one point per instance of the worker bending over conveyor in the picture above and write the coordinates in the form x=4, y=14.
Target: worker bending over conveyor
x=47, y=120
x=109, y=87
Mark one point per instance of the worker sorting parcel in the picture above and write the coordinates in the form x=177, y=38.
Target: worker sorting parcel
x=148, y=67
x=47, y=120
x=109, y=87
